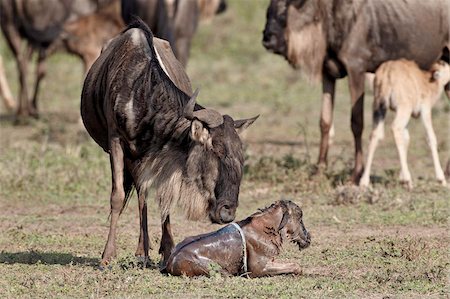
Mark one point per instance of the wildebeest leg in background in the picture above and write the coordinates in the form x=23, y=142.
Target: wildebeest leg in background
x=185, y=25
x=40, y=74
x=432, y=142
x=277, y=268
x=356, y=85
x=326, y=118
x=117, y=197
x=22, y=63
x=166, y=240
x=143, y=245
x=5, y=92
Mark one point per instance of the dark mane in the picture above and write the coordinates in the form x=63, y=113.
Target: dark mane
x=139, y=24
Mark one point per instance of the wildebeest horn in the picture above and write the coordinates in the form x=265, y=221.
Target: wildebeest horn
x=189, y=108
x=210, y=117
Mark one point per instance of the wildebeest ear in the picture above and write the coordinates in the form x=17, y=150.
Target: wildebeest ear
x=284, y=220
x=242, y=124
x=200, y=134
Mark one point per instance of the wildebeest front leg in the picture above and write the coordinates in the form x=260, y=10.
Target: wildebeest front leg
x=326, y=117
x=143, y=246
x=277, y=268
x=117, y=197
x=356, y=84
x=40, y=74
x=166, y=240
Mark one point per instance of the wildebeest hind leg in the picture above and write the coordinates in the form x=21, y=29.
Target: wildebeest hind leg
x=166, y=240
x=326, y=118
x=356, y=85
x=117, y=197
x=40, y=74
x=143, y=245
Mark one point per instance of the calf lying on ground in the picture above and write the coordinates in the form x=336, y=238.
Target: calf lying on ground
x=404, y=88
x=245, y=247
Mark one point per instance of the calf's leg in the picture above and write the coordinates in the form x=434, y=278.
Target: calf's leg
x=5, y=92
x=401, y=137
x=432, y=142
x=276, y=268
x=376, y=135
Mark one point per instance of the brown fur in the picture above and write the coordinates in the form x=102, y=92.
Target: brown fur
x=306, y=48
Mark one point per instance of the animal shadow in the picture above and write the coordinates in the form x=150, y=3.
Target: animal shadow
x=46, y=258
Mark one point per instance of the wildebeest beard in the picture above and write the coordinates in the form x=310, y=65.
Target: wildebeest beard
x=201, y=181
x=304, y=48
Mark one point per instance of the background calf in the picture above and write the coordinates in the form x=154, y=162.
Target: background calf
x=408, y=90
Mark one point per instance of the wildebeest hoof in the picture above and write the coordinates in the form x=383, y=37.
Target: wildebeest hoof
x=103, y=267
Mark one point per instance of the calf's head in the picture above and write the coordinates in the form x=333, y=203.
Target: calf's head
x=215, y=159
x=440, y=72
x=292, y=226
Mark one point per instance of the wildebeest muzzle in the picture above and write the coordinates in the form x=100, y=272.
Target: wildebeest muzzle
x=224, y=212
x=273, y=38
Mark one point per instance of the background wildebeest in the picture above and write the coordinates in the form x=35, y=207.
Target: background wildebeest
x=42, y=26
x=157, y=136
x=334, y=39
x=249, y=251
x=173, y=20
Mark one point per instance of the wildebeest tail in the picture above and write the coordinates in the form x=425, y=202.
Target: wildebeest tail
x=382, y=95
x=127, y=187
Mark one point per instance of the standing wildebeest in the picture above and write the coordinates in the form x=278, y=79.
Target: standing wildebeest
x=43, y=27
x=157, y=136
x=247, y=247
x=335, y=38
x=173, y=20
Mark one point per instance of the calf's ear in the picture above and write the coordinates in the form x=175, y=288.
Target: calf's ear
x=436, y=75
x=200, y=134
x=242, y=124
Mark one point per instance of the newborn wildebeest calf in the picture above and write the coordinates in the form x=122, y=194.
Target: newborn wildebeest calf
x=245, y=247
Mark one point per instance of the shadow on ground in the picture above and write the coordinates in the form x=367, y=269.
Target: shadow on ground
x=46, y=258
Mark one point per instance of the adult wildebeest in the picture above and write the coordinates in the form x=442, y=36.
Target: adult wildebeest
x=134, y=106
x=247, y=247
x=41, y=23
x=173, y=20
x=336, y=38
